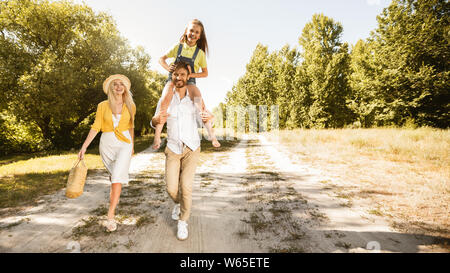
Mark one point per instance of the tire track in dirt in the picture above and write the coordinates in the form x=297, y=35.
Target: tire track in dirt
x=279, y=215
x=342, y=228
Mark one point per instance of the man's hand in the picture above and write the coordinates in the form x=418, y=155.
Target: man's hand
x=160, y=118
x=172, y=68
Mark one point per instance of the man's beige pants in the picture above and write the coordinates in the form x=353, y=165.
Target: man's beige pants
x=180, y=172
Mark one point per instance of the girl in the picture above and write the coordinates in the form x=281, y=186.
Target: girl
x=115, y=118
x=191, y=49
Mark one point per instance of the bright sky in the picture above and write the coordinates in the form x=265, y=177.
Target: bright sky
x=233, y=29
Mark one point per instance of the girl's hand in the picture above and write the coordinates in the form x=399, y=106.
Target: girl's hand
x=81, y=153
x=156, y=143
x=206, y=116
x=190, y=72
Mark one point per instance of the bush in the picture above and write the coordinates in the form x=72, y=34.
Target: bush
x=16, y=136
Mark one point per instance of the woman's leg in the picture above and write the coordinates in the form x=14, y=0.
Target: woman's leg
x=165, y=102
x=196, y=97
x=114, y=196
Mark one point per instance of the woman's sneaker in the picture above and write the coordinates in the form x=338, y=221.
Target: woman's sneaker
x=176, y=212
x=182, y=233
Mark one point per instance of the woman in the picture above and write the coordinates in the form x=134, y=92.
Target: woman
x=116, y=122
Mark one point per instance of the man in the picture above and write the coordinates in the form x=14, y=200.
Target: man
x=183, y=146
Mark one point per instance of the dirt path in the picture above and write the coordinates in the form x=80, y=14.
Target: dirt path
x=250, y=198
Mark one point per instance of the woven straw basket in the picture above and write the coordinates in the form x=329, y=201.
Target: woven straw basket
x=77, y=177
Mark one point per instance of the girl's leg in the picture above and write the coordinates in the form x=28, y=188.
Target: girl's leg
x=114, y=196
x=165, y=102
x=166, y=96
x=196, y=97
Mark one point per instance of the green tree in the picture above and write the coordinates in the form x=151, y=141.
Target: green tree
x=364, y=101
x=256, y=86
x=409, y=68
x=285, y=64
x=322, y=78
x=54, y=57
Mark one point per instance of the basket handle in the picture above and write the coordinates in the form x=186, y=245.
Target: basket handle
x=76, y=163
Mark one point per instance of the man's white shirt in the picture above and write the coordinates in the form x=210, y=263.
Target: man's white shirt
x=182, y=123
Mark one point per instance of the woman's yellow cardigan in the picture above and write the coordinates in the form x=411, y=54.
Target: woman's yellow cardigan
x=103, y=120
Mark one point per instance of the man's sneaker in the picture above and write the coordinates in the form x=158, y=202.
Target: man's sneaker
x=176, y=212
x=182, y=233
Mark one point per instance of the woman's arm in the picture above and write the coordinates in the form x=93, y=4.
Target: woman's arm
x=132, y=139
x=89, y=138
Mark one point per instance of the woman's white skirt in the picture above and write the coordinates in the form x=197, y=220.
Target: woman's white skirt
x=116, y=156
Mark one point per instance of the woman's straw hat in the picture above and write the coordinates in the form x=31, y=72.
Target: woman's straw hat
x=111, y=78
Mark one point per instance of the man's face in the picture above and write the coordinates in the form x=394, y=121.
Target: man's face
x=179, y=77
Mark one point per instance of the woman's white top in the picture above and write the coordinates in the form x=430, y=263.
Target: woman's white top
x=116, y=120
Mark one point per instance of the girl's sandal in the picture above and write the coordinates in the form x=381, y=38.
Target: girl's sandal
x=110, y=225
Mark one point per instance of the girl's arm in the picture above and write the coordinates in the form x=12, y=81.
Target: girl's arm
x=202, y=74
x=89, y=138
x=163, y=63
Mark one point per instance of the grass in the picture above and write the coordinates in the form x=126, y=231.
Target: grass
x=290, y=249
x=375, y=212
x=225, y=145
x=256, y=222
x=343, y=245
x=25, y=178
x=242, y=234
x=143, y=220
x=90, y=227
x=426, y=145
x=405, y=171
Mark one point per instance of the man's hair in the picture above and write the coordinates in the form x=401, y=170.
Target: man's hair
x=182, y=64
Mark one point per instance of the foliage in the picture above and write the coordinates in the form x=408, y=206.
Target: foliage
x=54, y=56
x=402, y=72
x=311, y=93
x=397, y=77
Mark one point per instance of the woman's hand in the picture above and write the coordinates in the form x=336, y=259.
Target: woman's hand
x=81, y=153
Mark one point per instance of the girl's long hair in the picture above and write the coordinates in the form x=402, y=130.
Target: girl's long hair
x=202, y=43
x=127, y=98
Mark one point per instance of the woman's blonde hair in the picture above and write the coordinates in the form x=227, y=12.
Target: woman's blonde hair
x=127, y=98
x=202, y=43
